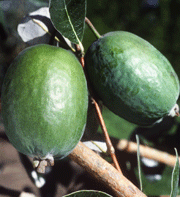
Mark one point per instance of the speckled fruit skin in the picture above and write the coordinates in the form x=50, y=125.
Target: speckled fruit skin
x=45, y=101
x=132, y=78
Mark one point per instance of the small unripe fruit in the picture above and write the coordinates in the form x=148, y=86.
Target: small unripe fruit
x=132, y=78
x=44, y=102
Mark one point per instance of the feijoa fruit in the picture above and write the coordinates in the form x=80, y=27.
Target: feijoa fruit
x=44, y=102
x=132, y=78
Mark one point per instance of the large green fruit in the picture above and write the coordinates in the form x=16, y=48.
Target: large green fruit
x=132, y=78
x=44, y=102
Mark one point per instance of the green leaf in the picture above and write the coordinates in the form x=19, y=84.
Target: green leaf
x=175, y=178
x=88, y=193
x=139, y=163
x=68, y=17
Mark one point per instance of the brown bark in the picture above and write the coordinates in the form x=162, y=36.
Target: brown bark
x=104, y=172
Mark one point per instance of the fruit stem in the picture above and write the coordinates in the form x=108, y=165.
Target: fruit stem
x=81, y=47
x=91, y=26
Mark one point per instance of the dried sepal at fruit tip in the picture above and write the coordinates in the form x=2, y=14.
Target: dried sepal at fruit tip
x=40, y=164
x=174, y=111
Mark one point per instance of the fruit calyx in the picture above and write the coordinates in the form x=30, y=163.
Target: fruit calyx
x=174, y=111
x=40, y=164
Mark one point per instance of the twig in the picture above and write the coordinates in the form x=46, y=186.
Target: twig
x=145, y=151
x=88, y=22
x=110, y=147
x=104, y=172
x=148, y=152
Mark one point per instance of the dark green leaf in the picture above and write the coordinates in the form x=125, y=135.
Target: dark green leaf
x=175, y=178
x=68, y=18
x=88, y=193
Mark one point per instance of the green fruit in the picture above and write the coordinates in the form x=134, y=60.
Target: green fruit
x=132, y=78
x=44, y=102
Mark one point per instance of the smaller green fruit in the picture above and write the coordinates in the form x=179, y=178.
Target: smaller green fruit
x=44, y=102
x=132, y=78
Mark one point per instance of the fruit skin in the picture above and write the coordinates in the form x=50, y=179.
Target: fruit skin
x=132, y=78
x=44, y=102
